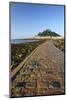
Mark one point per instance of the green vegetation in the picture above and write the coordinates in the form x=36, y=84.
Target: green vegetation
x=20, y=51
x=59, y=44
x=48, y=32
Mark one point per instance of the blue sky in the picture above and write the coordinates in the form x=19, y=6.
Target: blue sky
x=28, y=20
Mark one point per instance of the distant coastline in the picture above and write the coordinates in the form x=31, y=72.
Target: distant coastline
x=17, y=41
x=40, y=37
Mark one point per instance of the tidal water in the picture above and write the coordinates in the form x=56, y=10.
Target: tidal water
x=17, y=41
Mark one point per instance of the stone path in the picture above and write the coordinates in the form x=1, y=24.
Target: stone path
x=42, y=73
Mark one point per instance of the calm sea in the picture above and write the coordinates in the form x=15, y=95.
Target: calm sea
x=17, y=41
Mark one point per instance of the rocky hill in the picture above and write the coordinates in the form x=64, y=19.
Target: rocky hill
x=48, y=32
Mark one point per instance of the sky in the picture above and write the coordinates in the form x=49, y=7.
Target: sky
x=27, y=20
